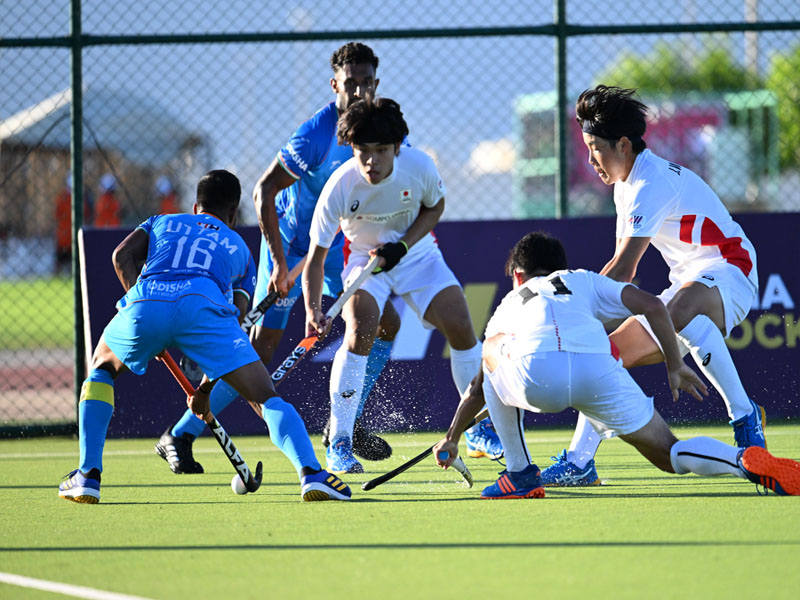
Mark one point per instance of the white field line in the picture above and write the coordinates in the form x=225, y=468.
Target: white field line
x=76, y=591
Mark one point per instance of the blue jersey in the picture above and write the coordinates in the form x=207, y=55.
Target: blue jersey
x=310, y=156
x=187, y=247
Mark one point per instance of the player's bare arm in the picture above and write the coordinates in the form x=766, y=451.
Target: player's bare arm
x=313, y=274
x=680, y=375
x=471, y=404
x=628, y=253
x=272, y=181
x=129, y=256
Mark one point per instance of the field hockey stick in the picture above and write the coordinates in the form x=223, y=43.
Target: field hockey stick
x=372, y=483
x=308, y=342
x=251, y=482
x=258, y=311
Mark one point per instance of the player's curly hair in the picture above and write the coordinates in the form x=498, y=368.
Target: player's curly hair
x=368, y=121
x=353, y=53
x=536, y=251
x=611, y=112
x=218, y=191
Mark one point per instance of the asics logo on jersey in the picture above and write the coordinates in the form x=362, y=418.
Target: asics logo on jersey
x=675, y=168
x=636, y=221
x=707, y=359
x=709, y=277
x=347, y=393
x=354, y=206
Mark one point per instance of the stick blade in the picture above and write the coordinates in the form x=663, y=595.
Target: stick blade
x=255, y=480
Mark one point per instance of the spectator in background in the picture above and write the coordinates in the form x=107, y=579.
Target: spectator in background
x=63, y=221
x=167, y=199
x=107, y=208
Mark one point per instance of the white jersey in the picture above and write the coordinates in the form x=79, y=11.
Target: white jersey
x=562, y=312
x=685, y=219
x=373, y=214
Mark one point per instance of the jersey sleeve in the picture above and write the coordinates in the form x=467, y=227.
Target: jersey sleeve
x=500, y=320
x=646, y=213
x=608, y=297
x=302, y=152
x=327, y=214
x=246, y=283
x=147, y=226
x=435, y=189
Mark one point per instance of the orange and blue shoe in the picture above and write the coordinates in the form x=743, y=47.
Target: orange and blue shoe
x=516, y=484
x=749, y=430
x=482, y=440
x=324, y=486
x=80, y=488
x=781, y=475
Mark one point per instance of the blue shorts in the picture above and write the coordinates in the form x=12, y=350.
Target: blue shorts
x=206, y=330
x=278, y=314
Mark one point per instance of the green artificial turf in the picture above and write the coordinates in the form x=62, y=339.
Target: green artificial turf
x=644, y=534
x=36, y=313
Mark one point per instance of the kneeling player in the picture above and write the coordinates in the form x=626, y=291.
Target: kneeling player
x=199, y=276
x=546, y=350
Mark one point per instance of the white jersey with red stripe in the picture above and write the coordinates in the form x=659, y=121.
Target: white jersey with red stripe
x=373, y=214
x=685, y=219
x=563, y=311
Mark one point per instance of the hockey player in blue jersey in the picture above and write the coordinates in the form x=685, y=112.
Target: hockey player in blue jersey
x=192, y=293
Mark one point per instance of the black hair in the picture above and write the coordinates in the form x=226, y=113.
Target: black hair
x=218, y=191
x=611, y=112
x=353, y=53
x=537, y=251
x=366, y=121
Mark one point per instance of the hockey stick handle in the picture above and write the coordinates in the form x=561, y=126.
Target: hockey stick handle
x=251, y=482
x=258, y=311
x=372, y=483
x=308, y=342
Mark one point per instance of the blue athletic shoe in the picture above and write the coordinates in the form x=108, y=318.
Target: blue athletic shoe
x=516, y=484
x=482, y=440
x=749, y=430
x=324, y=486
x=564, y=473
x=339, y=457
x=79, y=488
x=781, y=475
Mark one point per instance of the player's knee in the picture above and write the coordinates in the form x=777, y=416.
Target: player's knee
x=389, y=324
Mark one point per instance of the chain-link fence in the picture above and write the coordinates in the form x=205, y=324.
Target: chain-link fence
x=169, y=90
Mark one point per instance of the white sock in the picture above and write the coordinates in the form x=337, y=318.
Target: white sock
x=347, y=382
x=507, y=422
x=705, y=456
x=464, y=365
x=585, y=442
x=712, y=357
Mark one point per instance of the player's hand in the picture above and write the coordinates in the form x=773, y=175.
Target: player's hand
x=318, y=324
x=390, y=253
x=684, y=378
x=445, y=452
x=200, y=405
x=279, y=280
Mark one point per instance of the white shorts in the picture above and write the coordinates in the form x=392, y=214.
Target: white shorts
x=417, y=279
x=736, y=290
x=595, y=384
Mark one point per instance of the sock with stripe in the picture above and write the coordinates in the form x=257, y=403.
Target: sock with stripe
x=507, y=422
x=94, y=414
x=705, y=456
x=713, y=358
x=288, y=432
x=584, y=444
x=378, y=357
x=221, y=396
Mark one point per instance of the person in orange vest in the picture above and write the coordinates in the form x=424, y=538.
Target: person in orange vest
x=168, y=203
x=63, y=222
x=107, y=207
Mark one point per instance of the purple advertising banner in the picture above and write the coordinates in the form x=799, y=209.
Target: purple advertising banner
x=416, y=390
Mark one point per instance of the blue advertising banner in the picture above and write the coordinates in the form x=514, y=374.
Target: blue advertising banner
x=416, y=389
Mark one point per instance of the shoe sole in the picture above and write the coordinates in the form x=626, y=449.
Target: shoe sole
x=772, y=471
x=534, y=493
x=595, y=482
x=321, y=495
x=763, y=423
x=481, y=454
x=82, y=499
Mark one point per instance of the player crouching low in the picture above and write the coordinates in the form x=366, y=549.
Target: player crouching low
x=198, y=276
x=546, y=350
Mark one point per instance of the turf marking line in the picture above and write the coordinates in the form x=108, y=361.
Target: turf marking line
x=66, y=589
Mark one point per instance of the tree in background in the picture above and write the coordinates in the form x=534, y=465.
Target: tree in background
x=783, y=80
